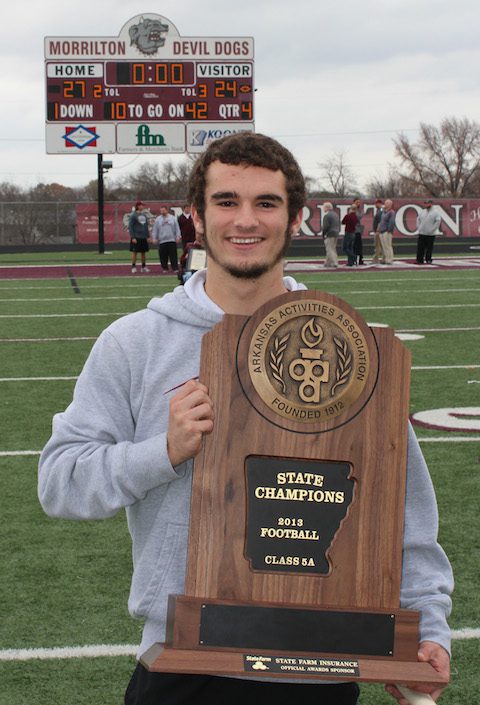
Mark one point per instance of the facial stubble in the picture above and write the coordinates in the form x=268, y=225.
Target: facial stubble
x=254, y=271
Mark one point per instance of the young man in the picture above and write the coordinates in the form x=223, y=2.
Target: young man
x=128, y=440
x=138, y=230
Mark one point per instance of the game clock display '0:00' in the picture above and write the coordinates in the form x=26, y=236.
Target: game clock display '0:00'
x=154, y=91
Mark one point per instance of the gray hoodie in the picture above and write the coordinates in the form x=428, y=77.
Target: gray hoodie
x=108, y=451
x=428, y=221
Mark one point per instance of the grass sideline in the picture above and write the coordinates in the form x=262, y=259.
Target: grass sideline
x=66, y=583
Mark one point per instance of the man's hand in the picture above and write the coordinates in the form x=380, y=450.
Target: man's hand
x=191, y=415
x=435, y=654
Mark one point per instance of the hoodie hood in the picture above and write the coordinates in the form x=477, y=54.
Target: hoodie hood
x=180, y=307
x=190, y=304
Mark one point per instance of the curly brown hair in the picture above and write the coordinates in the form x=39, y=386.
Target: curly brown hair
x=251, y=149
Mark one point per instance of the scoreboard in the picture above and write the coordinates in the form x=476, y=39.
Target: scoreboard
x=149, y=90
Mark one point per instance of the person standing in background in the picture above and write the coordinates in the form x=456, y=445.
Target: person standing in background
x=359, y=228
x=187, y=228
x=377, y=254
x=385, y=229
x=138, y=231
x=166, y=232
x=350, y=222
x=428, y=221
x=330, y=233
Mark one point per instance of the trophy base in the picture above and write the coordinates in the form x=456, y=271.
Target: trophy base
x=166, y=659
x=268, y=640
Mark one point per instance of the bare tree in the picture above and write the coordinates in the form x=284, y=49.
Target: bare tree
x=151, y=182
x=445, y=161
x=393, y=185
x=339, y=177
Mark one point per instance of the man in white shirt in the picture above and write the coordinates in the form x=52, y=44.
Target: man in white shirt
x=166, y=232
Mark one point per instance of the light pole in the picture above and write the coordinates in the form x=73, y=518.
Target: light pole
x=102, y=167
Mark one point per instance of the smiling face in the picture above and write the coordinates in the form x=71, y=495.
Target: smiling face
x=245, y=227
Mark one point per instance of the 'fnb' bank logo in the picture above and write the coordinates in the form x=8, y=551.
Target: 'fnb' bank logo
x=145, y=138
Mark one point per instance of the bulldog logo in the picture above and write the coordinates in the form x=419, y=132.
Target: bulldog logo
x=148, y=35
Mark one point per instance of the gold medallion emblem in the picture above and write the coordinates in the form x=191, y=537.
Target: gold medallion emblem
x=308, y=360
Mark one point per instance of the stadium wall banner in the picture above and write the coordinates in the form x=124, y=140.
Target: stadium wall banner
x=459, y=218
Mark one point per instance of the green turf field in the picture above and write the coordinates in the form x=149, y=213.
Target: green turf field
x=65, y=584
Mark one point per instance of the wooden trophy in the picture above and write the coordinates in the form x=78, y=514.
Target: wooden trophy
x=295, y=548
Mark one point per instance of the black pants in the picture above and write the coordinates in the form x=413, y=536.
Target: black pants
x=168, y=251
x=425, y=248
x=147, y=688
x=358, y=247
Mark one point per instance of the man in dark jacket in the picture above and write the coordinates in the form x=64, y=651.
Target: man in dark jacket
x=187, y=228
x=139, y=237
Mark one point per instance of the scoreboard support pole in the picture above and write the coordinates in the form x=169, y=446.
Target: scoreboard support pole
x=101, y=237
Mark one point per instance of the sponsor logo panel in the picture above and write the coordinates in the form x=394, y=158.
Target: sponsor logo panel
x=144, y=137
x=80, y=138
x=200, y=136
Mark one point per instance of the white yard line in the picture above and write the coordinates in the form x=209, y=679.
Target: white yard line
x=449, y=439
x=84, y=297
x=86, y=285
x=93, y=651
x=56, y=379
x=445, y=367
x=47, y=340
x=62, y=315
x=113, y=650
x=436, y=330
x=426, y=439
x=75, y=297
x=94, y=337
x=403, y=307
x=36, y=379
x=124, y=313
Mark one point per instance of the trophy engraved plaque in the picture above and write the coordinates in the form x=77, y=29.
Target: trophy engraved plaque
x=296, y=529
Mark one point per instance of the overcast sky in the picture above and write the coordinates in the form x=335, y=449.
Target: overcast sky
x=340, y=76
